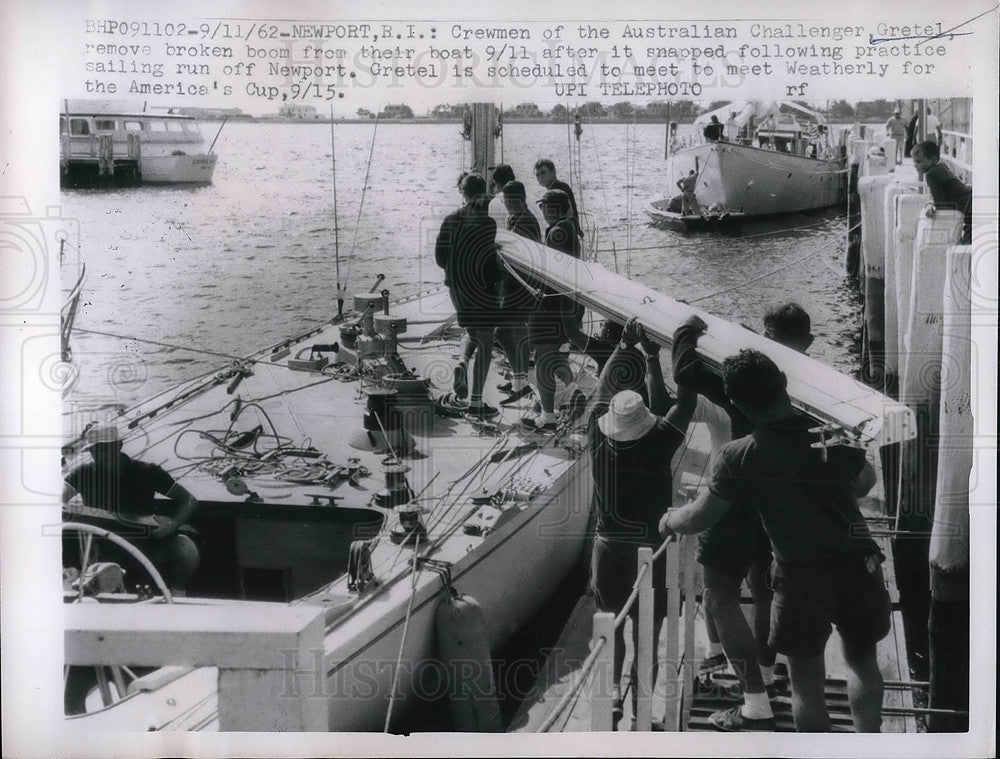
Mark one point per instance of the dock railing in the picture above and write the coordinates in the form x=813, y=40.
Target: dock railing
x=678, y=667
x=956, y=151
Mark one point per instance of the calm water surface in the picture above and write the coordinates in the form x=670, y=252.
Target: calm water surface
x=250, y=260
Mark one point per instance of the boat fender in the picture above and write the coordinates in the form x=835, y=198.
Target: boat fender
x=463, y=645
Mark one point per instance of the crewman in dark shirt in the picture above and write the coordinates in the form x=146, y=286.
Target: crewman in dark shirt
x=125, y=489
x=826, y=569
x=631, y=446
x=545, y=173
x=516, y=302
x=714, y=130
x=947, y=190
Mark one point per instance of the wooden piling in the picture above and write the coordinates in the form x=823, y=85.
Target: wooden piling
x=919, y=388
x=603, y=691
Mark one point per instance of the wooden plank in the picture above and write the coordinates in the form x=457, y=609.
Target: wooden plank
x=645, y=643
x=671, y=647
x=602, y=675
x=249, y=635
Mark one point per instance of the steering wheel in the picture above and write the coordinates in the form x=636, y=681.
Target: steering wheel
x=79, y=682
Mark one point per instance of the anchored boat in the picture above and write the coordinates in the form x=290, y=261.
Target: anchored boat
x=772, y=159
x=102, y=138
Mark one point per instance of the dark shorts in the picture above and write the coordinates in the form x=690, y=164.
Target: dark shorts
x=546, y=327
x=613, y=568
x=810, y=598
x=734, y=543
x=475, y=310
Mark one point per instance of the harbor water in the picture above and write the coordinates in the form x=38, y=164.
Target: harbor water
x=250, y=260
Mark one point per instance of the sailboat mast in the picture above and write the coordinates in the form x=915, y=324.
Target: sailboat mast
x=336, y=222
x=483, y=138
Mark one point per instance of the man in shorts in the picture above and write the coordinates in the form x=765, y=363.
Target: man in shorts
x=545, y=327
x=736, y=546
x=516, y=302
x=827, y=568
x=466, y=249
x=631, y=446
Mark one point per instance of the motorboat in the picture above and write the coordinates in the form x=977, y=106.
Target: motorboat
x=772, y=158
x=146, y=145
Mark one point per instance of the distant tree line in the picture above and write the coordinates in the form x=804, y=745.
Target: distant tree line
x=680, y=111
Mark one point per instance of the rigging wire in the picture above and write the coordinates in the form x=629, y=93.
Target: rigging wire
x=336, y=221
x=216, y=354
x=770, y=273
x=361, y=205
x=414, y=573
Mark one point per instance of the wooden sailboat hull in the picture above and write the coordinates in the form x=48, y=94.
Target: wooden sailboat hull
x=758, y=182
x=511, y=569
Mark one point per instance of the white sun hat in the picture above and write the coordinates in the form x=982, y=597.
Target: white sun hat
x=627, y=417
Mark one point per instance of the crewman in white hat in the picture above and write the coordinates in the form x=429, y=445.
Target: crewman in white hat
x=631, y=445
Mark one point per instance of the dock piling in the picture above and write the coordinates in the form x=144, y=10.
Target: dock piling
x=602, y=698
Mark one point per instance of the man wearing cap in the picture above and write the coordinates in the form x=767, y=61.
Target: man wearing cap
x=826, y=569
x=125, y=487
x=895, y=128
x=545, y=173
x=630, y=450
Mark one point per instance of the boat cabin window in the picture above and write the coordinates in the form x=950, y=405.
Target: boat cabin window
x=104, y=125
x=79, y=127
x=191, y=127
x=132, y=126
x=157, y=126
x=174, y=126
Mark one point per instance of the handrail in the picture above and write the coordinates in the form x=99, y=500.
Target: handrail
x=638, y=580
x=589, y=662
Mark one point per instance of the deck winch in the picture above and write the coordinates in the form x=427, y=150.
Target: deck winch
x=383, y=430
x=397, y=489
